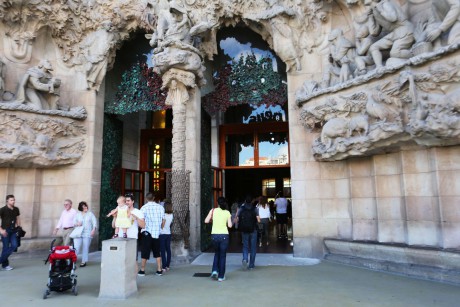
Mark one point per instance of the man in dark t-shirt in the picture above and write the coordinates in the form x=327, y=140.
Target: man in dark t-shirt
x=9, y=214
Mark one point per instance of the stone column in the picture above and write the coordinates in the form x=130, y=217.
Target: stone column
x=179, y=82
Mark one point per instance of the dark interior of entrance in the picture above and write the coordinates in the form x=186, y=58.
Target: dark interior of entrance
x=242, y=182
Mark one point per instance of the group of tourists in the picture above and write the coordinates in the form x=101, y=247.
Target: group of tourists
x=154, y=219
x=252, y=219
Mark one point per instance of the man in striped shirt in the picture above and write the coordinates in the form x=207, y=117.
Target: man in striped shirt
x=154, y=214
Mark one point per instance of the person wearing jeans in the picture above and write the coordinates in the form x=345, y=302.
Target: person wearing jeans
x=249, y=243
x=165, y=236
x=9, y=214
x=249, y=237
x=220, y=219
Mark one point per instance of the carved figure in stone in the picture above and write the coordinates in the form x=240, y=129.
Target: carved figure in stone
x=391, y=19
x=173, y=26
x=421, y=15
x=96, y=48
x=449, y=10
x=359, y=124
x=38, y=88
x=381, y=106
x=365, y=35
x=334, y=128
x=344, y=127
x=340, y=57
x=36, y=140
x=277, y=21
x=283, y=42
x=174, y=43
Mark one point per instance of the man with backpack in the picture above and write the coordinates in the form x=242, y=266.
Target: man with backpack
x=248, y=217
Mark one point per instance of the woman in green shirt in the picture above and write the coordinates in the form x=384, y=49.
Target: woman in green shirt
x=221, y=219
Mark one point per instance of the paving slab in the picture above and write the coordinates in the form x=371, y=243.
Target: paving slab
x=274, y=282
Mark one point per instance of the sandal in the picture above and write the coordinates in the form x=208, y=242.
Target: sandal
x=125, y=235
x=115, y=236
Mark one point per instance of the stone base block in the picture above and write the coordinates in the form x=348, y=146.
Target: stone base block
x=118, y=269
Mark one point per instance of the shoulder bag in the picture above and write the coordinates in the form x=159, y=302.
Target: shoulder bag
x=76, y=232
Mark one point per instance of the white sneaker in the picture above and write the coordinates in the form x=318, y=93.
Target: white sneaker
x=7, y=268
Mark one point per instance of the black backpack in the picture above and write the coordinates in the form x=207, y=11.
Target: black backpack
x=247, y=219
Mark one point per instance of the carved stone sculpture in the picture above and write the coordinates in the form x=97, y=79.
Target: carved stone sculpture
x=365, y=35
x=36, y=140
x=19, y=45
x=340, y=58
x=450, y=12
x=38, y=88
x=174, y=44
x=421, y=15
x=400, y=38
x=96, y=48
x=419, y=105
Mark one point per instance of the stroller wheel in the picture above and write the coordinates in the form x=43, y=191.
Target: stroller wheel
x=75, y=290
x=45, y=294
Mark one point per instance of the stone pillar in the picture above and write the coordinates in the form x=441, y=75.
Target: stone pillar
x=118, y=269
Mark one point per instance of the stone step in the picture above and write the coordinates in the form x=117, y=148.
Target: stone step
x=425, y=263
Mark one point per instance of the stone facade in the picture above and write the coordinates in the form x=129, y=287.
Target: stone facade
x=373, y=107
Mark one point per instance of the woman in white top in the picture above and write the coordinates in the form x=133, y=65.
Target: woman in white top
x=165, y=236
x=86, y=219
x=264, y=214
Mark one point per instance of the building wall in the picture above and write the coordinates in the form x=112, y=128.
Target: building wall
x=40, y=192
x=408, y=197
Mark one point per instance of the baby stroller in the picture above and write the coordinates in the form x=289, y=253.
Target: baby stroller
x=62, y=275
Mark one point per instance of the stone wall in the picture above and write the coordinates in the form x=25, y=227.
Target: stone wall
x=40, y=190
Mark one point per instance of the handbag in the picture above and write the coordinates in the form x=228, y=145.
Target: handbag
x=76, y=232
x=21, y=232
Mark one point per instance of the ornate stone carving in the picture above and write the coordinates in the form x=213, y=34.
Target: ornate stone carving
x=38, y=88
x=398, y=37
x=419, y=105
x=73, y=25
x=341, y=54
x=18, y=45
x=34, y=140
x=173, y=42
x=37, y=92
x=96, y=48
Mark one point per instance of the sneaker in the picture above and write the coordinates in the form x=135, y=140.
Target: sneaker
x=245, y=264
x=221, y=279
x=158, y=273
x=214, y=274
x=7, y=268
x=141, y=273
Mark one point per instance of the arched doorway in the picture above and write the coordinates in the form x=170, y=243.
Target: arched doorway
x=249, y=105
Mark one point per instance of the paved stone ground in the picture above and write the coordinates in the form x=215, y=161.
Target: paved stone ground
x=278, y=280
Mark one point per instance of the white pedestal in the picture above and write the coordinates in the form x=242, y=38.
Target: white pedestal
x=118, y=269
